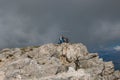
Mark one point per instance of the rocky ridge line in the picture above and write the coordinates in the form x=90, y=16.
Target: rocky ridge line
x=55, y=62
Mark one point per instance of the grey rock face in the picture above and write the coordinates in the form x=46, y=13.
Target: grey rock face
x=54, y=62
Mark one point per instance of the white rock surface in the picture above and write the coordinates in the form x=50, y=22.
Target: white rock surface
x=54, y=62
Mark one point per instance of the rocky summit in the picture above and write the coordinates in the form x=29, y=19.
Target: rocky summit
x=55, y=62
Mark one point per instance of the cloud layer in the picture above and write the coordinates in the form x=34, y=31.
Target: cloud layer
x=34, y=22
x=117, y=48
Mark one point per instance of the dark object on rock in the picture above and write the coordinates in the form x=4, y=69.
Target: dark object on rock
x=63, y=39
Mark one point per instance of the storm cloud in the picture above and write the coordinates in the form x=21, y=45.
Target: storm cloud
x=95, y=23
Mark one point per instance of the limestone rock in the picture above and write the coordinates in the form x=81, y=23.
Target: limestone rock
x=54, y=62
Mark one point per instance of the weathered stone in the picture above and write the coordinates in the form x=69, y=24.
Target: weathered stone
x=54, y=62
x=117, y=74
x=108, y=68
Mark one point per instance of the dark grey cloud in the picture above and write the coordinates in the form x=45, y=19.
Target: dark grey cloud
x=32, y=22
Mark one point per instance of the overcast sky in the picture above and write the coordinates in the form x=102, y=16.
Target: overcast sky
x=96, y=23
